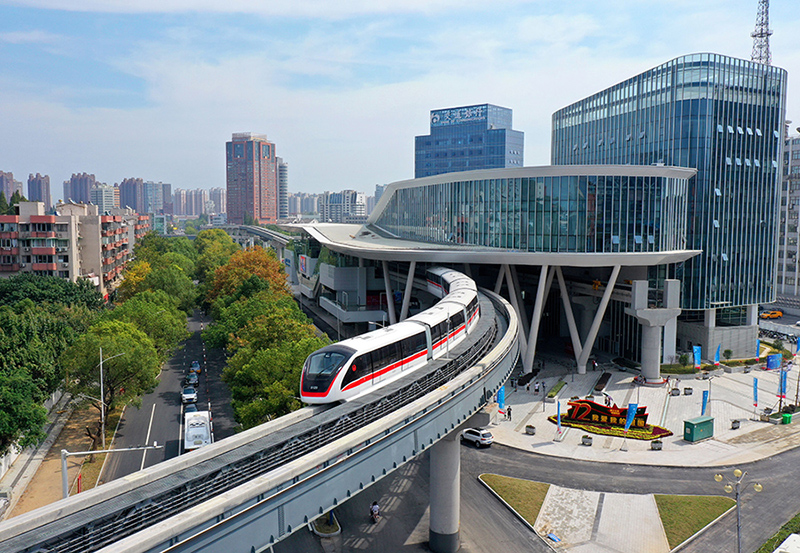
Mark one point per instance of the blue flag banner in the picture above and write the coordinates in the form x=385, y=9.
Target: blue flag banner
x=798, y=348
x=632, y=407
x=782, y=389
x=501, y=397
x=698, y=353
x=716, y=356
x=755, y=392
x=558, y=416
x=758, y=348
x=705, y=402
x=774, y=361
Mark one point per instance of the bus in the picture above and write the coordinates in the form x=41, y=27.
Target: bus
x=197, y=430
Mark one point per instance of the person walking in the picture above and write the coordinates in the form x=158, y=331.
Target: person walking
x=508, y=412
x=528, y=388
x=536, y=388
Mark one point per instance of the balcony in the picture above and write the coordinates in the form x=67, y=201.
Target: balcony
x=43, y=251
x=10, y=268
x=44, y=266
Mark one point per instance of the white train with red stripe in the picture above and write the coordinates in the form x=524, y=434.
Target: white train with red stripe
x=359, y=365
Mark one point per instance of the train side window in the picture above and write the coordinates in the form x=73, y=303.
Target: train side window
x=363, y=365
x=457, y=319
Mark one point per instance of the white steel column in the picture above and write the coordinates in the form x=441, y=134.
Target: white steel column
x=598, y=318
x=407, y=294
x=536, y=317
x=573, y=329
x=445, y=495
x=389, y=297
x=520, y=301
x=512, y=296
x=498, y=284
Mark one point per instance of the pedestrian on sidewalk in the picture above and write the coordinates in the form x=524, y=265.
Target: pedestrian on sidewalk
x=528, y=388
x=536, y=388
x=508, y=412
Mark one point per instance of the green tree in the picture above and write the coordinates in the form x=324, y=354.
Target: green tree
x=172, y=280
x=4, y=204
x=264, y=383
x=51, y=289
x=154, y=313
x=684, y=360
x=727, y=354
x=175, y=258
x=21, y=419
x=16, y=198
x=130, y=364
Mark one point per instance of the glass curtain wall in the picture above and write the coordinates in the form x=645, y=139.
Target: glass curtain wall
x=604, y=214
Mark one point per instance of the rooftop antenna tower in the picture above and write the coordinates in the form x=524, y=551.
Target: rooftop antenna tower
x=761, y=35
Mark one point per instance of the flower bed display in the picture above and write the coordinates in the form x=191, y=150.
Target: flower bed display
x=648, y=432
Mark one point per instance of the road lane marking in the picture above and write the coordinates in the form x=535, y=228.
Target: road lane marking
x=147, y=440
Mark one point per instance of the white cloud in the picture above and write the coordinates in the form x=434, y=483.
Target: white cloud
x=30, y=37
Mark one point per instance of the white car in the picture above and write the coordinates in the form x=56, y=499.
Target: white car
x=480, y=438
x=189, y=395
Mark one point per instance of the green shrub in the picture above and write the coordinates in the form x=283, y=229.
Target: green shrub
x=557, y=388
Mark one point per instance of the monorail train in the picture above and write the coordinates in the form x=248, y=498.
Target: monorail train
x=356, y=366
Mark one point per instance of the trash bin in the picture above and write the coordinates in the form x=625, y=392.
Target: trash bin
x=786, y=418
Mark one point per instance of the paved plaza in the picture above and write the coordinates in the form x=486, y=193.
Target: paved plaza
x=596, y=528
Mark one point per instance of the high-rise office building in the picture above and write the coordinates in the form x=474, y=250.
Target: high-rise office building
x=102, y=195
x=166, y=194
x=252, y=179
x=788, y=247
x=153, y=197
x=724, y=117
x=347, y=206
x=283, y=189
x=39, y=190
x=77, y=188
x=468, y=138
x=217, y=195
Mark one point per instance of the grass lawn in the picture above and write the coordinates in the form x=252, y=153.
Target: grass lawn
x=791, y=527
x=685, y=515
x=525, y=496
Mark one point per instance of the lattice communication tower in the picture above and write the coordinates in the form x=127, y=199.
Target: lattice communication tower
x=761, y=35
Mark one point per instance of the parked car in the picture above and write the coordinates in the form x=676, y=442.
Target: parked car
x=191, y=379
x=480, y=438
x=189, y=395
x=774, y=314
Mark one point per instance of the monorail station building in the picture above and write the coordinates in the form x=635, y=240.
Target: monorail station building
x=662, y=201
x=586, y=232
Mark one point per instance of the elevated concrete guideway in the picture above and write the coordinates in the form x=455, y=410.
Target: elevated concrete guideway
x=344, y=450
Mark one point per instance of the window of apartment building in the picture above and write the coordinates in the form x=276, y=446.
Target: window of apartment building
x=6, y=259
x=796, y=154
x=8, y=243
x=796, y=169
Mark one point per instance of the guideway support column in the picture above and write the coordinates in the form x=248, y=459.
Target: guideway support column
x=445, y=492
x=653, y=319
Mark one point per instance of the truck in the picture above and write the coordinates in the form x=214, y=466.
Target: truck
x=197, y=431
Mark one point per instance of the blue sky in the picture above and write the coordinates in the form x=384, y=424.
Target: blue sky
x=153, y=89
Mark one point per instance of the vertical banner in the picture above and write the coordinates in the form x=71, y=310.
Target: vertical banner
x=501, y=398
x=755, y=392
x=716, y=356
x=782, y=385
x=698, y=353
x=705, y=402
x=758, y=348
x=632, y=407
x=798, y=348
x=558, y=416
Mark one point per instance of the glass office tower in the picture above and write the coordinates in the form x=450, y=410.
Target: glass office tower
x=467, y=138
x=722, y=116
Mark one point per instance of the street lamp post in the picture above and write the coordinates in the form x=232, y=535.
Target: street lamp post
x=735, y=486
x=65, y=454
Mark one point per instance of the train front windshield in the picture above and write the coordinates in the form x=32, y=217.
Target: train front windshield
x=321, y=368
